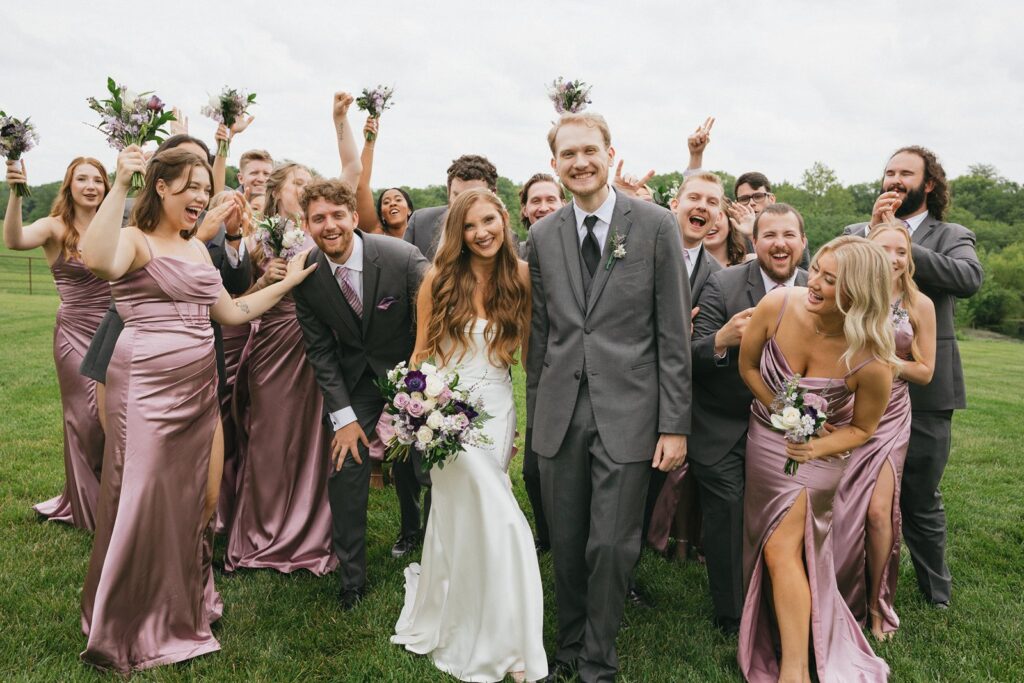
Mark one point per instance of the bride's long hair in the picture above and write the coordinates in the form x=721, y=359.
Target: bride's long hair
x=506, y=297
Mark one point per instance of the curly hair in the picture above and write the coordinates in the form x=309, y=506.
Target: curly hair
x=473, y=167
x=938, y=199
x=329, y=189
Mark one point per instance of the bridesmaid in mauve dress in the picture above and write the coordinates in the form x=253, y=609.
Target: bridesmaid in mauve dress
x=867, y=511
x=84, y=299
x=143, y=603
x=797, y=608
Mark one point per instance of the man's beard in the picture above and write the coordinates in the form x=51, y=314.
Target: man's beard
x=913, y=201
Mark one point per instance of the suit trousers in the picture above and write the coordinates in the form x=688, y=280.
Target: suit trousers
x=531, y=479
x=721, y=501
x=924, y=517
x=409, y=480
x=596, y=510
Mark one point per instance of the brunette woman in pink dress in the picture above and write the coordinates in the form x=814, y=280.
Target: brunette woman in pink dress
x=84, y=299
x=797, y=608
x=143, y=603
x=867, y=512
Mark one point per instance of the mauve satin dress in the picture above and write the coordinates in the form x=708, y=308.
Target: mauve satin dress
x=143, y=603
x=235, y=337
x=84, y=299
x=840, y=653
x=888, y=445
x=282, y=517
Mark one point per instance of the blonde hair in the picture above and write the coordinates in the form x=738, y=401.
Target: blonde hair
x=904, y=285
x=277, y=179
x=584, y=119
x=863, y=294
x=707, y=177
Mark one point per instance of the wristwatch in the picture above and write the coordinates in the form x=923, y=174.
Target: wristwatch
x=232, y=238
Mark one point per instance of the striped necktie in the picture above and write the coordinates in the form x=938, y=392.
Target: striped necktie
x=349, y=292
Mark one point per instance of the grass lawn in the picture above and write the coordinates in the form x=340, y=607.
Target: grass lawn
x=288, y=628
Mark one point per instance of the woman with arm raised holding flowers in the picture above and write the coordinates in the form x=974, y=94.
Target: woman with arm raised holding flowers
x=143, y=603
x=84, y=301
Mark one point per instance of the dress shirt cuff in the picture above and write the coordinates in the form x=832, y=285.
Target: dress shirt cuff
x=722, y=360
x=342, y=418
x=234, y=255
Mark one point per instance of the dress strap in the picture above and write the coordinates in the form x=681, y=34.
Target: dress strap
x=859, y=367
x=778, y=321
x=148, y=246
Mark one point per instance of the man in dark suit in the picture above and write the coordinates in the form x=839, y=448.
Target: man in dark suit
x=539, y=196
x=356, y=314
x=721, y=401
x=467, y=172
x=914, y=191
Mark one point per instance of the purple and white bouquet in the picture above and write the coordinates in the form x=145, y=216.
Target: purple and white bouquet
x=227, y=108
x=130, y=118
x=799, y=414
x=374, y=102
x=428, y=410
x=569, y=97
x=16, y=138
x=279, y=237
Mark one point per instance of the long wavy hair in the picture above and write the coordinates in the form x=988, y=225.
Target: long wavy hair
x=277, y=179
x=168, y=166
x=64, y=204
x=904, y=286
x=506, y=297
x=938, y=198
x=863, y=295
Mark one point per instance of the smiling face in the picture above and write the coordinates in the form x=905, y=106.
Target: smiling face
x=779, y=244
x=291, y=190
x=821, y=285
x=87, y=188
x=582, y=160
x=331, y=226
x=897, y=248
x=394, y=210
x=255, y=175
x=483, y=231
x=718, y=233
x=755, y=197
x=542, y=199
x=905, y=174
x=185, y=197
x=697, y=209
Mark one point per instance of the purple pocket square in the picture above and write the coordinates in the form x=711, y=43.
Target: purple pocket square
x=385, y=303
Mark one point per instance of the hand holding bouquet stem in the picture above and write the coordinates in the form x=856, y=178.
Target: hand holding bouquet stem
x=16, y=138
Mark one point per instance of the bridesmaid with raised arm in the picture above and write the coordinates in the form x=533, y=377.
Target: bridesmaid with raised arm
x=389, y=215
x=282, y=518
x=83, y=302
x=143, y=603
x=797, y=609
x=867, y=511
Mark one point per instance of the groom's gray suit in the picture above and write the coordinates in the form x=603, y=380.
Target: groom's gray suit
x=608, y=371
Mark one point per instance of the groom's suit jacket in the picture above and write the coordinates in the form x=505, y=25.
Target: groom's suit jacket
x=425, y=228
x=339, y=345
x=630, y=333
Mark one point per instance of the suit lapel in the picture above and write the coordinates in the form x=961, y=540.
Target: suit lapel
x=801, y=279
x=371, y=278
x=700, y=270
x=620, y=224
x=755, y=283
x=924, y=230
x=571, y=248
x=333, y=299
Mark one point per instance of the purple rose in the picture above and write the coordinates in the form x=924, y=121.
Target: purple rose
x=401, y=400
x=415, y=407
x=463, y=408
x=443, y=398
x=816, y=402
x=415, y=381
x=155, y=104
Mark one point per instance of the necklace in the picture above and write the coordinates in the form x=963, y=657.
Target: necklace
x=818, y=332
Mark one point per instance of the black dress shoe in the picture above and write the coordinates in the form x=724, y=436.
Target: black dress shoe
x=727, y=625
x=350, y=598
x=559, y=672
x=941, y=605
x=638, y=597
x=541, y=547
x=405, y=545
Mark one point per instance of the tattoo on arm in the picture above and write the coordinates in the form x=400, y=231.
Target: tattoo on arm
x=244, y=307
x=341, y=131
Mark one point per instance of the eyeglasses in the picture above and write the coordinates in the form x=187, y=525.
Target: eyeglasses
x=757, y=197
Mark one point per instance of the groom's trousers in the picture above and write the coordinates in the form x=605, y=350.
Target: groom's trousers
x=595, y=510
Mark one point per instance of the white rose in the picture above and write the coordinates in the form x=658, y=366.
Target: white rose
x=424, y=434
x=215, y=102
x=429, y=404
x=416, y=395
x=789, y=419
x=435, y=420
x=435, y=385
x=128, y=95
x=428, y=369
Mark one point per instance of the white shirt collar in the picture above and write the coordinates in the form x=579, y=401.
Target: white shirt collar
x=769, y=283
x=914, y=222
x=603, y=213
x=355, y=259
x=694, y=255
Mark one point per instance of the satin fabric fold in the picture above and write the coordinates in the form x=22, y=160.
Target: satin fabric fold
x=235, y=338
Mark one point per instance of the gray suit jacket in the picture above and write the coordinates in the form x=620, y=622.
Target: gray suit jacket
x=706, y=267
x=721, y=400
x=340, y=346
x=630, y=334
x=946, y=268
x=425, y=228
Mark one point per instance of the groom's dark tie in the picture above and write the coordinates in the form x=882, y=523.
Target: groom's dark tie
x=590, y=250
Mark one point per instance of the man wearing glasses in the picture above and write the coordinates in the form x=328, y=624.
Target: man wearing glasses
x=753, y=192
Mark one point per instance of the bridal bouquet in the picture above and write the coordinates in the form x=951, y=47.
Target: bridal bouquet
x=279, y=237
x=799, y=414
x=227, y=108
x=428, y=410
x=16, y=138
x=569, y=97
x=130, y=118
x=374, y=102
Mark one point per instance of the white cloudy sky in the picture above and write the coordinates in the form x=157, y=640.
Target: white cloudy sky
x=790, y=82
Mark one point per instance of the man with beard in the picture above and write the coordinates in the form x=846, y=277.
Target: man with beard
x=914, y=191
x=721, y=400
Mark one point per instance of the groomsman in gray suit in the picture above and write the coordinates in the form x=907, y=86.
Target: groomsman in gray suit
x=721, y=400
x=608, y=384
x=466, y=173
x=914, y=190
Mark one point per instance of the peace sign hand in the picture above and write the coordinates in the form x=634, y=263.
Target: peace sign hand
x=700, y=138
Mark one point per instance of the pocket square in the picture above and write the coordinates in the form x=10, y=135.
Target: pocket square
x=385, y=303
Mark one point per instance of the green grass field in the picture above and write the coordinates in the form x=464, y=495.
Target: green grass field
x=288, y=628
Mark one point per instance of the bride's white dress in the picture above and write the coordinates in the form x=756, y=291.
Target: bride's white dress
x=475, y=604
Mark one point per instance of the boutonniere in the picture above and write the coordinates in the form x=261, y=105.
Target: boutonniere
x=618, y=249
x=385, y=303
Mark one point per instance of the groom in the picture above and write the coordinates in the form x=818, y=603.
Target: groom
x=608, y=384
x=356, y=313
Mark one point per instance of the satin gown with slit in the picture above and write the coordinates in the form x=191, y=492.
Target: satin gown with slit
x=839, y=651
x=235, y=338
x=474, y=604
x=887, y=447
x=148, y=597
x=84, y=299
x=282, y=517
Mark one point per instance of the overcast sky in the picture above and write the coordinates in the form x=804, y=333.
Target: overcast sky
x=790, y=82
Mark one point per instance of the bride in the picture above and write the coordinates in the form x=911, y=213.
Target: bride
x=475, y=604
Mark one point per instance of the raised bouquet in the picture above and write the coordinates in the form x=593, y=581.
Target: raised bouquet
x=16, y=138
x=428, y=410
x=130, y=118
x=799, y=414
x=227, y=108
x=374, y=102
x=569, y=97
x=279, y=237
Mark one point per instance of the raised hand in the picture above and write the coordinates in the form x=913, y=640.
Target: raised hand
x=885, y=207
x=342, y=101
x=700, y=138
x=16, y=172
x=222, y=213
x=296, y=270
x=222, y=134
x=744, y=217
x=370, y=129
x=629, y=183
x=130, y=160
x=241, y=124
x=179, y=126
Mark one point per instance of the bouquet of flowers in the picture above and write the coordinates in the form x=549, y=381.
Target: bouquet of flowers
x=279, y=237
x=130, y=118
x=663, y=194
x=374, y=102
x=799, y=414
x=16, y=138
x=427, y=410
x=569, y=97
x=227, y=108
